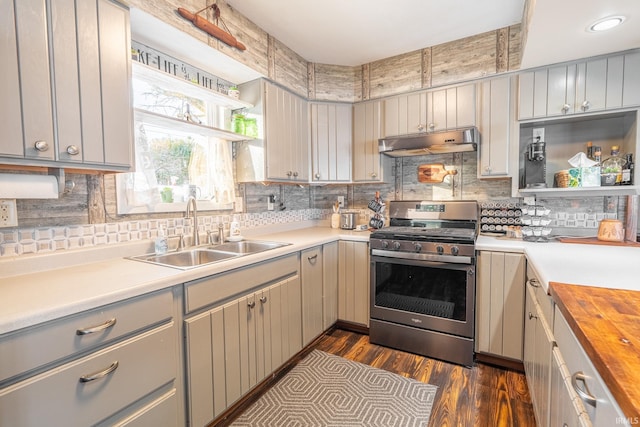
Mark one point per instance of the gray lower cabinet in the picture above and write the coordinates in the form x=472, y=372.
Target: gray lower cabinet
x=252, y=324
x=353, y=282
x=115, y=365
x=329, y=284
x=66, y=85
x=538, y=347
x=500, y=289
x=591, y=400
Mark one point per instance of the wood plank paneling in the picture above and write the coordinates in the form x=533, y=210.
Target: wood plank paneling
x=401, y=73
x=335, y=82
x=469, y=58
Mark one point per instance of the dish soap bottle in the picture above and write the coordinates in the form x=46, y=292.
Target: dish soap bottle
x=234, y=228
x=161, y=244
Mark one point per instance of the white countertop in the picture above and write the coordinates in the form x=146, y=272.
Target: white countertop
x=71, y=287
x=63, y=286
x=614, y=267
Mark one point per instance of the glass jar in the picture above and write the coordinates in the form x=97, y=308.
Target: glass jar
x=238, y=123
x=611, y=172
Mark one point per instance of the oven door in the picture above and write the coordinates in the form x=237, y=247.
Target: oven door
x=437, y=296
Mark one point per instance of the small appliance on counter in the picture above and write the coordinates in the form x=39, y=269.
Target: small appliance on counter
x=535, y=165
x=348, y=220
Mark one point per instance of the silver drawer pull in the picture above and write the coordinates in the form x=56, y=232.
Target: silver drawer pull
x=534, y=282
x=100, y=374
x=263, y=300
x=584, y=394
x=251, y=304
x=98, y=328
x=312, y=258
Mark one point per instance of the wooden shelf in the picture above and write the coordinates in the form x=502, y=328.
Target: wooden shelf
x=166, y=80
x=187, y=127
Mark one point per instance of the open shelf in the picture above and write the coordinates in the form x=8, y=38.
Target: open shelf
x=615, y=190
x=185, y=126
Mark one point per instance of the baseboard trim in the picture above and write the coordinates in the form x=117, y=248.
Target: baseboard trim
x=488, y=359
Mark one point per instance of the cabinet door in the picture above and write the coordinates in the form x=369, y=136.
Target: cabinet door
x=437, y=110
x=532, y=94
x=500, y=302
x=329, y=284
x=495, y=126
x=631, y=83
x=330, y=142
x=299, y=142
x=565, y=409
x=34, y=82
x=279, y=156
x=115, y=64
x=591, y=86
x=353, y=282
x=561, y=89
x=312, y=279
x=465, y=107
x=10, y=103
x=405, y=114
x=366, y=132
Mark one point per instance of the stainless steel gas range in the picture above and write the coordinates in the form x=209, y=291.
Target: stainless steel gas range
x=423, y=279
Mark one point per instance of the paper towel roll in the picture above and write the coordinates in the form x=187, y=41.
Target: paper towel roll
x=27, y=186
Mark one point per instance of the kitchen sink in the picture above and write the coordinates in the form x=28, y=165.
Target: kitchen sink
x=246, y=247
x=197, y=257
x=187, y=259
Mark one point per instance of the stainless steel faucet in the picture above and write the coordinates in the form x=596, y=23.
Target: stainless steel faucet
x=191, y=207
x=221, y=232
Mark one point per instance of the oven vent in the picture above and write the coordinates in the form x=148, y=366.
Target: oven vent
x=417, y=305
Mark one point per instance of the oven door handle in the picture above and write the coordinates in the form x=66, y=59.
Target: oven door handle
x=451, y=259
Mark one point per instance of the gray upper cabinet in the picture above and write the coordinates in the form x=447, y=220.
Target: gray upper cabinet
x=405, y=114
x=495, y=127
x=67, y=84
x=330, y=142
x=283, y=153
x=451, y=108
x=594, y=85
x=368, y=164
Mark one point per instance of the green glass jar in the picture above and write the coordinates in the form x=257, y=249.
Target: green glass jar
x=238, y=123
x=251, y=127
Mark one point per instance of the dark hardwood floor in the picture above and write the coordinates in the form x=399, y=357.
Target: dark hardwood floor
x=481, y=396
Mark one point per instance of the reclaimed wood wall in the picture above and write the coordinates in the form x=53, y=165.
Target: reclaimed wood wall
x=94, y=197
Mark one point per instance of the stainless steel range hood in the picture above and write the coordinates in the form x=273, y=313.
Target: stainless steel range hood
x=452, y=141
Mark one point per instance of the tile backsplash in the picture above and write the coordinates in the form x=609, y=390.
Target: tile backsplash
x=49, y=239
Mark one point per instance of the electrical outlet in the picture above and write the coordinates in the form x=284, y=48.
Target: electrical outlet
x=538, y=132
x=341, y=201
x=529, y=200
x=271, y=200
x=8, y=213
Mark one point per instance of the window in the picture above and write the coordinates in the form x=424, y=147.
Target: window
x=182, y=147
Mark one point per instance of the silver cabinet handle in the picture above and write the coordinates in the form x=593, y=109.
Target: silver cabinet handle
x=312, y=258
x=317, y=176
x=263, y=300
x=373, y=174
x=98, y=328
x=432, y=125
x=289, y=173
x=565, y=108
x=251, y=304
x=534, y=283
x=295, y=174
x=532, y=316
x=100, y=374
x=584, y=394
x=41, y=145
x=585, y=105
x=420, y=127
x=73, y=150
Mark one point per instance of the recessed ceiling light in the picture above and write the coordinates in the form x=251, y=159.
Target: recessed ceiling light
x=607, y=23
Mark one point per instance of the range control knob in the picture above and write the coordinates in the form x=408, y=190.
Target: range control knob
x=384, y=244
x=454, y=250
x=440, y=250
x=417, y=247
x=395, y=245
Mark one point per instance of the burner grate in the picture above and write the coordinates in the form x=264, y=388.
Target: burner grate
x=415, y=304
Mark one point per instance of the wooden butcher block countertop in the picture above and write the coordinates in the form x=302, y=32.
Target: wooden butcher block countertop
x=607, y=324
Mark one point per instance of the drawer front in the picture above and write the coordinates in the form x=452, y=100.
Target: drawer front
x=605, y=409
x=543, y=299
x=25, y=350
x=144, y=363
x=205, y=292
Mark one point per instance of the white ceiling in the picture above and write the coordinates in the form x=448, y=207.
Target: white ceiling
x=355, y=32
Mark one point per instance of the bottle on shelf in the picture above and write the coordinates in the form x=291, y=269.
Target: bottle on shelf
x=590, y=150
x=597, y=154
x=611, y=171
x=627, y=170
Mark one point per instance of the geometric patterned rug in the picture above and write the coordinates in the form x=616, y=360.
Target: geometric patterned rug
x=328, y=390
